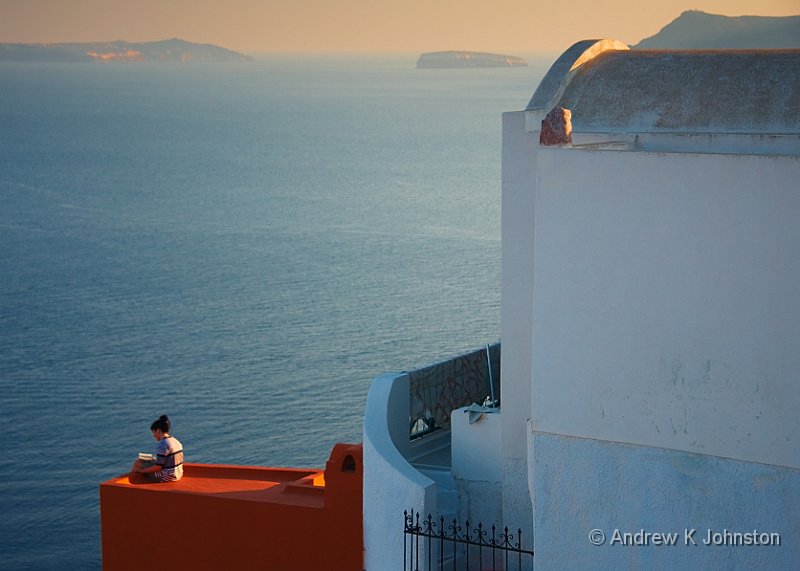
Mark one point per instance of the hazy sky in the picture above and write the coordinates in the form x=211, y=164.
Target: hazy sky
x=360, y=25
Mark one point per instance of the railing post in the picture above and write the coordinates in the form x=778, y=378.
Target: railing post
x=429, y=534
x=467, y=535
x=455, y=527
x=405, y=533
x=494, y=550
x=480, y=545
x=441, y=543
x=417, y=532
x=505, y=541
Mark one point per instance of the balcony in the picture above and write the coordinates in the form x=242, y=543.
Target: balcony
x=247, y=517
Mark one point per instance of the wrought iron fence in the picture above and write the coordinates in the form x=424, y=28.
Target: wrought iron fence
x=430, y=544
x=437, y=390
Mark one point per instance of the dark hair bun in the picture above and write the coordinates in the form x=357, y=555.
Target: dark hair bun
x=161, y=424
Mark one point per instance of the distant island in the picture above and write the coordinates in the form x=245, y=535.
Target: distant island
x=696, y=30
x=460, y=59
x=174, y=50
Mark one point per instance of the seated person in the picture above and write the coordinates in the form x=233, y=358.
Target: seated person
x=168, y=466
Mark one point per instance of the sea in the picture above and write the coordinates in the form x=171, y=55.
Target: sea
x=242, y=247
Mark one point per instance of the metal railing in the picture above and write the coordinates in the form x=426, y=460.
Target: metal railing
x=434, y=545
x=438, y=389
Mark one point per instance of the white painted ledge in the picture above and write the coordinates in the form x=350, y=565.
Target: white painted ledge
x=391, y=484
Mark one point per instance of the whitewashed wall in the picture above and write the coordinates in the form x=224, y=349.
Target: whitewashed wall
x=518, y=163
x=665, y=374
x=391, y=484
x=666, y=307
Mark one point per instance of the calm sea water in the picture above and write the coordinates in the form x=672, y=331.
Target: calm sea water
x=242, y=247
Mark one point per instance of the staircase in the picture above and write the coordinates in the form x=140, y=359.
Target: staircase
x=435, y=463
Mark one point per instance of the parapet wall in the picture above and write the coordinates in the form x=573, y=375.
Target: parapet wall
x=238, y=517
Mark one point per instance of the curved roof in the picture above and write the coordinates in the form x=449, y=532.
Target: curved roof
x=609, y=88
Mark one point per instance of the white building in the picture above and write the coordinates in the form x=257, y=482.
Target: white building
x=650, y=328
